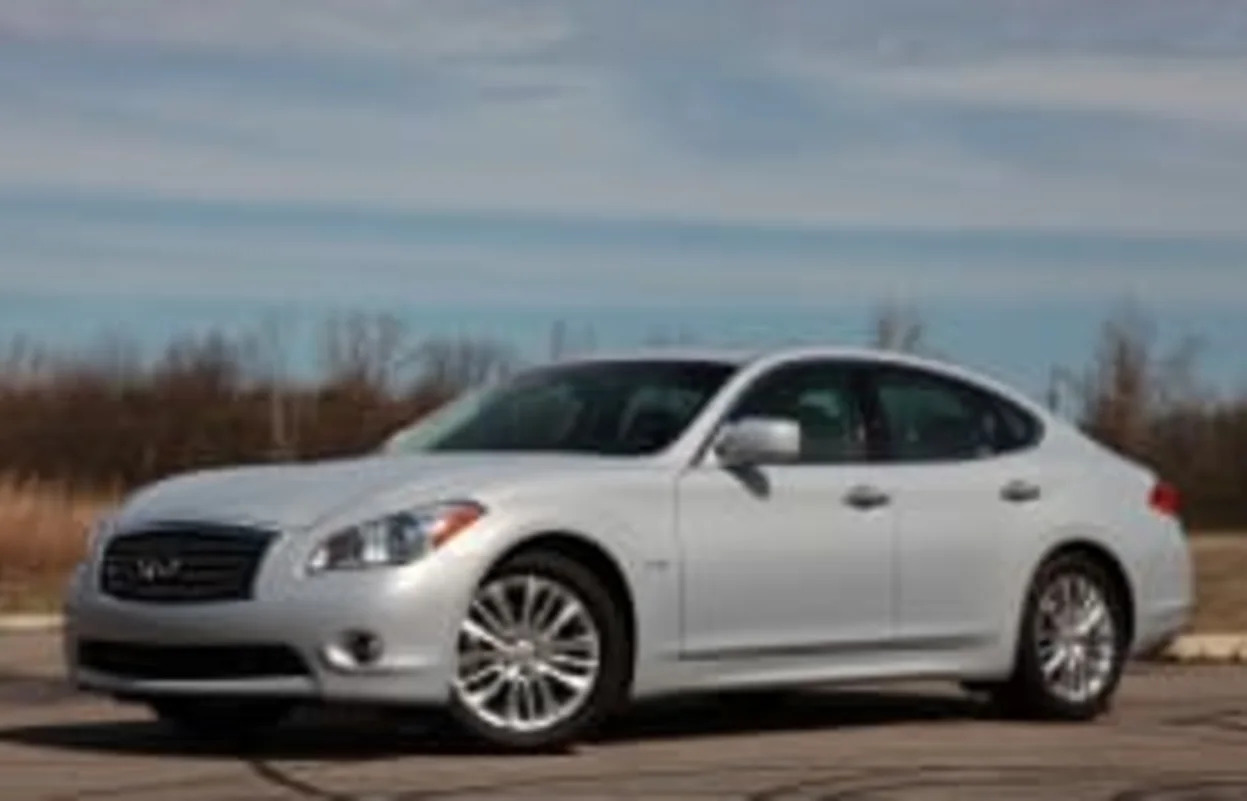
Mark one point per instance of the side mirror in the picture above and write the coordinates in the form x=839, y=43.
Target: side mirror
x=759, y=440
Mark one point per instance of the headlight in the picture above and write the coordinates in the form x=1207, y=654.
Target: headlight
x=396, y=539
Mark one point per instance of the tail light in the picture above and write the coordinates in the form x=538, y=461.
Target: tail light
x=1166, y=500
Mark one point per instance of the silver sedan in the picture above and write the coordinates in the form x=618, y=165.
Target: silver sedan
x=539, y=553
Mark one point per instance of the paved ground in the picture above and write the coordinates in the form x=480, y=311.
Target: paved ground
x=1179, y=734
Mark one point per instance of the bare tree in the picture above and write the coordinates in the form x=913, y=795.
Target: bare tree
x=449, y=366
x=898, y=327
x=670, y=338
x=1132, y=383
x=269, y=352
x=373, y=350
x=114, y=355
x=558, y=340
x=564, y=341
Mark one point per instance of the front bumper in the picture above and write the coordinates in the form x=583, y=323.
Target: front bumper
x=413, y=611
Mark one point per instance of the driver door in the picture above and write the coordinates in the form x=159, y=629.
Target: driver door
x=791, y=559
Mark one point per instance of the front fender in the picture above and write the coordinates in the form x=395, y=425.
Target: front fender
x=643, y=547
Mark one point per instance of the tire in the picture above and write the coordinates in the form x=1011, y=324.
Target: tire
x=1036, y=689
x=521, y=656
x=220, y=719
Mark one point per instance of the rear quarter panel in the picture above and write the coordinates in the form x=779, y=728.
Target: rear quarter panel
x=1093, y=497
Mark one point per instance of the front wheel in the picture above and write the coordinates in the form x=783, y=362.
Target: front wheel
x=1073, y=643
x=542, y=655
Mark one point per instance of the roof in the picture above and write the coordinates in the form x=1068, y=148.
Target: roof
x=743, y=356
x=737, y=356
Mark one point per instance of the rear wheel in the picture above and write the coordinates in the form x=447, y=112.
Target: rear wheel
x=1073, y=644
x=542, y=655
x=220, y=718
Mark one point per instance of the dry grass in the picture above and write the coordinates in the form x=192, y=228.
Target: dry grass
x=1221, y=582
x=42, y=533
x=43, y=528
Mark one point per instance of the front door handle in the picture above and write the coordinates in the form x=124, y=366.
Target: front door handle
x=867, y=498
x=1021, y=492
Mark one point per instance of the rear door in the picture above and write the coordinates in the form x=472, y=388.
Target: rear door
x=965, y=491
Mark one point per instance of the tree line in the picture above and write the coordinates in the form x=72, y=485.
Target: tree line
x=107, y=417
x=110, y=417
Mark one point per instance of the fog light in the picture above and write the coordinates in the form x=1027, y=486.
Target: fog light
x=352, y=650
x=364, y=647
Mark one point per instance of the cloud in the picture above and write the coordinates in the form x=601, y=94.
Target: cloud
x=310, y=254
x=953, y=29
x=327, y=28
x=598, y=149
x=1197, y=91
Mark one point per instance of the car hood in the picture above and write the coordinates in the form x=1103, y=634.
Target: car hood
x=296, y=496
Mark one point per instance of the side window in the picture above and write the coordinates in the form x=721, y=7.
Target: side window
x=1015, y=429
x=931, y=418
x=822, y=398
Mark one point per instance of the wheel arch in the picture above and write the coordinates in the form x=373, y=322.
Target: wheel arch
x=593, y=556
x=1112, y=564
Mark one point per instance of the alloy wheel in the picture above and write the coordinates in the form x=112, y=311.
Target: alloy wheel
x=529, y=654
x=1076, y=638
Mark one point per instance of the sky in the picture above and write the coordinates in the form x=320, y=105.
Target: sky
x=744, y=172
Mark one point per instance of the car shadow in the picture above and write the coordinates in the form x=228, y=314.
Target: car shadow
x=745, y=713
x=369, y=734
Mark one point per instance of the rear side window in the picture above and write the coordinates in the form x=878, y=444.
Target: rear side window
x=1016, y=429
x=930, y=418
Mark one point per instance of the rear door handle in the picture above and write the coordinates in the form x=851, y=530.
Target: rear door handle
x=867, y=498
x=1021, y=492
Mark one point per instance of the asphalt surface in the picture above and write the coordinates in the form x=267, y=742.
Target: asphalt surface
x=1177, y=734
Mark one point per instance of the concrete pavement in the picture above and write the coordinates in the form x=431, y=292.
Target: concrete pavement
x=1178, y=734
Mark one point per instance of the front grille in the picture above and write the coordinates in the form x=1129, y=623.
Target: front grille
x=190, y=663
x=184, y=564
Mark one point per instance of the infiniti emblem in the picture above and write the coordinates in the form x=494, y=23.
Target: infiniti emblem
x=154, y=569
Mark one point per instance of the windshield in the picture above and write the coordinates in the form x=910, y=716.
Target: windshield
x=616, y=408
